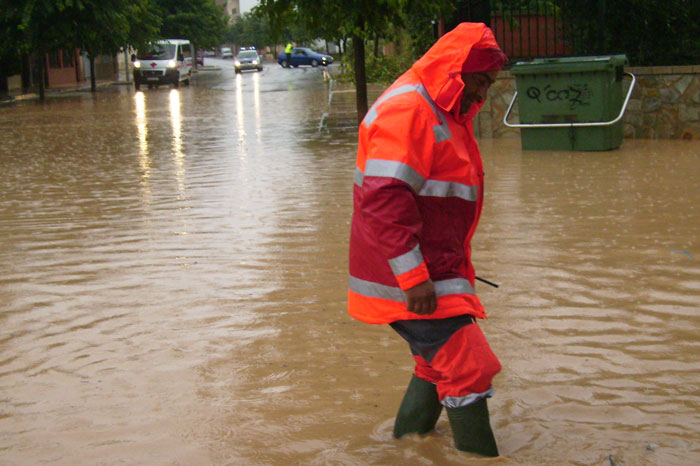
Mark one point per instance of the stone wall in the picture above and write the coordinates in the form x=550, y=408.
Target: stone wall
x=665, y=104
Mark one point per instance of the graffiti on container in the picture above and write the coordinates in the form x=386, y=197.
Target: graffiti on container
x=575, y=95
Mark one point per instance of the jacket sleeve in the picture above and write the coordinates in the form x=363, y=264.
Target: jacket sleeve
x=399, y=151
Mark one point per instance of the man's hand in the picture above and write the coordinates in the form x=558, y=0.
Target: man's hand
x=421, y=298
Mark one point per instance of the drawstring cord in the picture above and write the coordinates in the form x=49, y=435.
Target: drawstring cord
x=487, y=282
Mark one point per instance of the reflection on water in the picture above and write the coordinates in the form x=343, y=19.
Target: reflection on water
x=256, y=107
x=125, y=340
x=240, y=115
x=594, y=295
x=176, y=123
x=142, y=134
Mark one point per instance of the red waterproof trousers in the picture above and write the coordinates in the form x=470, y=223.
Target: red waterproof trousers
x=454, y=355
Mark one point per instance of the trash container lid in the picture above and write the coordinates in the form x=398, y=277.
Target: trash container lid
x=569, y=64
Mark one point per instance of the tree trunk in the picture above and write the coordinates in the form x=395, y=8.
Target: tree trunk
x=127, y=70
x=358, y=46
x=93, y=81
x=76, y=63
x=42, y=76
x=4, y=86
x=26, y=73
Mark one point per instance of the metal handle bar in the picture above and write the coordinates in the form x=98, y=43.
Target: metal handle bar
x=569, y=125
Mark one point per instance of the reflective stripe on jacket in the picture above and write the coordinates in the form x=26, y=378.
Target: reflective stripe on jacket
x=418, y=190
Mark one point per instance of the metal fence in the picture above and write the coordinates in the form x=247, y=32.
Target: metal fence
x=527, y=29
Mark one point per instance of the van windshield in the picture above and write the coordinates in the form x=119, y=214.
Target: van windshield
x=158, y=52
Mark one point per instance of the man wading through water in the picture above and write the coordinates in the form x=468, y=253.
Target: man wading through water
x=418, y=195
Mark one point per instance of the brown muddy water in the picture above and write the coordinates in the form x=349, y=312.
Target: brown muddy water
x=173, y=290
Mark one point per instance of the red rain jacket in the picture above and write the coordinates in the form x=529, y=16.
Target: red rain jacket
x=418, y=189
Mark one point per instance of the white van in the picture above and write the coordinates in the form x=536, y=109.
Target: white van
x=164, y=62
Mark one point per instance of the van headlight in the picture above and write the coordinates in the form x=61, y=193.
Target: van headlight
x=171, y=63
x=137, y=64
x=236, y=63
x=255, y=62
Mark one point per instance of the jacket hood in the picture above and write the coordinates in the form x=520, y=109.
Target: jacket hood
x=440, y=69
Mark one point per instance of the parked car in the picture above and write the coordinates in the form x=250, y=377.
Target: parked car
x=209, y=53
x=248, y=59
x=304, y=56
x=226, y=52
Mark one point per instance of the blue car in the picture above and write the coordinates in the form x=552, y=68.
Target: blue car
x=304, y=56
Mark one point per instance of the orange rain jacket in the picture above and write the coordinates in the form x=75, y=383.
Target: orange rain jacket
x=418, y=189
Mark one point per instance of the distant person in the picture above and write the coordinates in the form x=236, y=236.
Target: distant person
x=288, y=53
x=418, y=194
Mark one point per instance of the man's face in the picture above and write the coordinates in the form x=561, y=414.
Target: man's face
x=476, y=85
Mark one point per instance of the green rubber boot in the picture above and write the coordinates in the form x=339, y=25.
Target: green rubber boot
x=420, y=409
x=472, y=430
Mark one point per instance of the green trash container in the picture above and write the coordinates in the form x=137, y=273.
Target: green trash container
x=571, y=103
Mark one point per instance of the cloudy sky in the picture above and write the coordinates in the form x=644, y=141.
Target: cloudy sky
x=246, y=5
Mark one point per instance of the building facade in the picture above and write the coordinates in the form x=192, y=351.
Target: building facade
x=232, y=7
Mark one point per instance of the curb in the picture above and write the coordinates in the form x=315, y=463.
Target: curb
x=57, y=92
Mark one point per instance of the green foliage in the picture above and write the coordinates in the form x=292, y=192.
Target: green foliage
x=203, y=22
x=248, y=30
x=421, y=18
x=380, y=68
x=385, y=69
x=98, y=26
x=103, y=26
x=144, y=22
x=254, y=28
x=278, y=14
x=10, y=15
x=513, y=10
x=332, y=20
x=523, y=6
x=647, y=31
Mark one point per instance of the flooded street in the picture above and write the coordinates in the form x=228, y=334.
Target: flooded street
x=174, y=277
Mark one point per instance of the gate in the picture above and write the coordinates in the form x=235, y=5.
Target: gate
x=527, y=29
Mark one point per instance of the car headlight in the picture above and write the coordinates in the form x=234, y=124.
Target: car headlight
x=137, y=64
x=171, y=63
x=236, y=63
x=255, y=62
